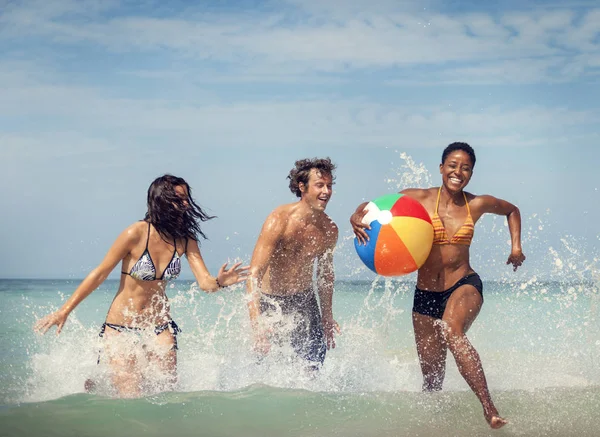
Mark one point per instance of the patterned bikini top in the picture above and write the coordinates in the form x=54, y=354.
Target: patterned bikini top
x=144, y=269
x=464, y=235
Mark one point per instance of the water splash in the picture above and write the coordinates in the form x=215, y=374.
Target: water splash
x=410, y=174
x=538, y=328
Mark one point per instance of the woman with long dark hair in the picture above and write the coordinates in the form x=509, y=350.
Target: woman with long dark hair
x=150, y=253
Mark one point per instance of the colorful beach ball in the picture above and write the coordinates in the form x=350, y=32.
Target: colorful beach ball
x=400, y=237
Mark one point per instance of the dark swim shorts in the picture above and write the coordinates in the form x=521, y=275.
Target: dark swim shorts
x=433, y=303
x=301, y=310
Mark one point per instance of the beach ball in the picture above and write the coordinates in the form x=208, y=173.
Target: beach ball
x=400, y=237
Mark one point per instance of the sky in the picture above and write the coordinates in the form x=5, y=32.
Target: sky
x=98, y=98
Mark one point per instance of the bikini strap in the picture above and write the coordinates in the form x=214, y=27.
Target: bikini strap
x=467, y=203
x=148, y=238
x=437, y=203
x=102, y=330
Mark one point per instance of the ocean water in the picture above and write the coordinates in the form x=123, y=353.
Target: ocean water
x=539, y=343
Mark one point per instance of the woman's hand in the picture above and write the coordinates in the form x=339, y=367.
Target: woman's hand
x=58, y=318
x=232, y=276
x=516, y=258
x=358, y=227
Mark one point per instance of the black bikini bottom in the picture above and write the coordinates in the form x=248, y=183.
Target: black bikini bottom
x=170, y=325
x=433, y=303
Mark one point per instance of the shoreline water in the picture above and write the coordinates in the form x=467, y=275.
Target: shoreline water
x=539, y=342
x=266, y=411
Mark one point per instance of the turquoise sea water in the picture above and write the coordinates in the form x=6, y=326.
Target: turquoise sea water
x=539, y=343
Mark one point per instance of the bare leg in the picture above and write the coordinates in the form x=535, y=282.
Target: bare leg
x=462, y=309
x=431, y=348
x=125, y=374
x=167, y=361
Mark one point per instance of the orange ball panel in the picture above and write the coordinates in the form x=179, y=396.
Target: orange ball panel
x=392, y=258
x=417, y=236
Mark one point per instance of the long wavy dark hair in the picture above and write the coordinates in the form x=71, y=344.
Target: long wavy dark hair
x=170, y=214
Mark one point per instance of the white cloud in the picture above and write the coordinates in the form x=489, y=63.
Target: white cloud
x=522, y=71
x=471, y=48
x=65, y=118
x=330, y=37
x=58, y=144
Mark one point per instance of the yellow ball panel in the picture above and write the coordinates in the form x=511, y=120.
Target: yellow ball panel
x=417, y=236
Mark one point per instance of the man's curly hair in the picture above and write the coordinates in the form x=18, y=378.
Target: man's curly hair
x=301, y=172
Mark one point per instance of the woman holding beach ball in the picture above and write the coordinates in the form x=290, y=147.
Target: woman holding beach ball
x=449, y=293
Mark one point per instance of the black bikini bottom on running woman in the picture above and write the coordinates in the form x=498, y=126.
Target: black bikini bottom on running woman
x=170, y=325
x=302, y=311
x=433, y=303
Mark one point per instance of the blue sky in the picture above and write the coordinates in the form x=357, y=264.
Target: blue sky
x=100, y=97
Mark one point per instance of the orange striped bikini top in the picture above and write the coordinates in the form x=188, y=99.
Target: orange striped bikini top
x=464, y=235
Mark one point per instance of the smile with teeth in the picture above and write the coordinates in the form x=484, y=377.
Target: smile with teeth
x=455, y=180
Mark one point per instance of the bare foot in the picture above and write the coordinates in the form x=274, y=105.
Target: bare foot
x=496, y=422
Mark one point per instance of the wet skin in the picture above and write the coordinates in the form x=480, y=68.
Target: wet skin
x=444, y=267
x=292, y=238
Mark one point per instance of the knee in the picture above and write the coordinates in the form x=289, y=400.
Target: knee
x=453, y=332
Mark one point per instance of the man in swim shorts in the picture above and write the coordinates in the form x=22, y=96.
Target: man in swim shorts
x=282, y=302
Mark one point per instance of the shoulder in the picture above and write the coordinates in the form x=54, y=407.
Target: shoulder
x=480, y=199
x=420, y=193
x=282, y=212
x=329, y=232
x=276, y=221
x=131, y=236
x=136, y=231
x=333, y=232
x=486, y=203
x=329, y=226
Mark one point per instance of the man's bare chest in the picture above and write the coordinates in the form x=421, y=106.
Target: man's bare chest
x=306, y=242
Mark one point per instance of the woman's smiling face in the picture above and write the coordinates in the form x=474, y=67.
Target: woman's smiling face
x=456, y=170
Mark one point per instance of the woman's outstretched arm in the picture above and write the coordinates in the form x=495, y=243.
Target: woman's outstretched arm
x=119, y=250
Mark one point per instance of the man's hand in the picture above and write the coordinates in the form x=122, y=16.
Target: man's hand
x=262, y=345
x=330, y=328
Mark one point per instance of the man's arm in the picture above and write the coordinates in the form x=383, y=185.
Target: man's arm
x=270, y=234
x=325, y=285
